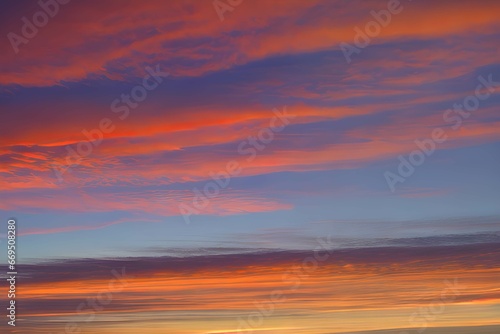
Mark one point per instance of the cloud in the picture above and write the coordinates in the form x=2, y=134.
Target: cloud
x=122, y=38
x=181, y=292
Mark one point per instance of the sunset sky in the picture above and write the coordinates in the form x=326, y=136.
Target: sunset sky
x=211, y=149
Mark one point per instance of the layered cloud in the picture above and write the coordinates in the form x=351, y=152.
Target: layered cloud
x=218, y=293
x=114, y=40
x=267, y=90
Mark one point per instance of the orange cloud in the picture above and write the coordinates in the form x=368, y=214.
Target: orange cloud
x=335, y=294
x=127, y=35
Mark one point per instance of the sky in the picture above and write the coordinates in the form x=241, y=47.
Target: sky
x=345, y=153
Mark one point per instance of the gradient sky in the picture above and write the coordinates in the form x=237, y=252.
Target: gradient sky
x=322, y=175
